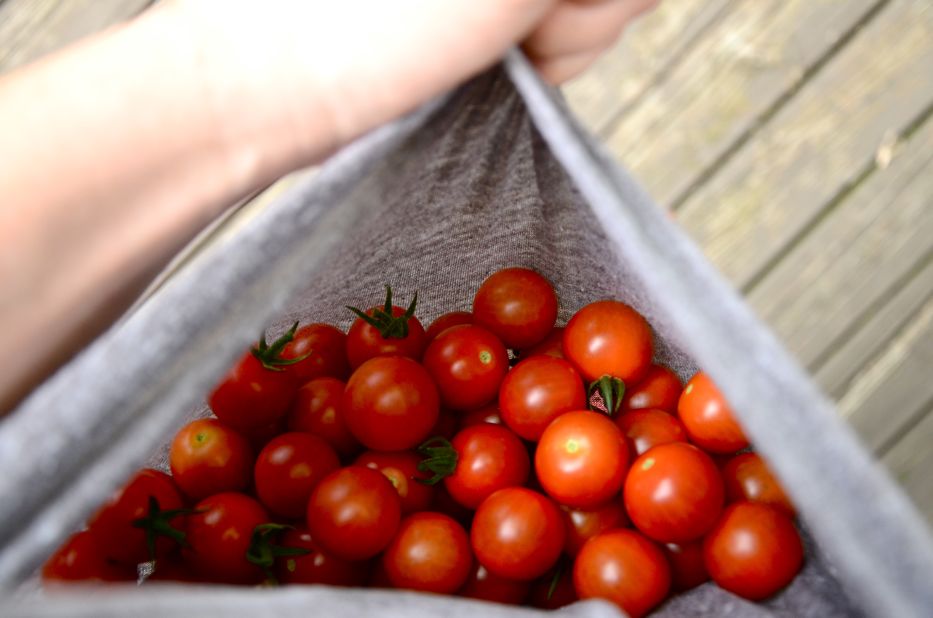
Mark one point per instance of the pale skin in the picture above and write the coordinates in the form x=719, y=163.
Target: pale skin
x=117, y=150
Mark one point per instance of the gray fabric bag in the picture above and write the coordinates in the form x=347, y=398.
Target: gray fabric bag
x=495, y=174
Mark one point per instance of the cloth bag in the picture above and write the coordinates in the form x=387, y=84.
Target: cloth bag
x=495, y=174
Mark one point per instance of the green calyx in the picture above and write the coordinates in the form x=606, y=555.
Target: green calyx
x=440, y=458
x=610, y=391
x=388, y=325
x=270, y=355
x=157, y=524
x=263, y=550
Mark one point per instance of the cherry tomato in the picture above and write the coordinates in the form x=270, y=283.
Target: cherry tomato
x=483, y=585
x=518, y=305
x=708, y=419
x=448, y=320
x=582, y=525
x=112, y=527
x=318, y=409
x=489, y=458
x=80, y=559
x=207, y=457
x=385, y=331
x=390, y=403
x=746, y=477
x=401, y=468
x=353, y=513
x=660, y=388
x=324, y=349
x=554, y=589
x=467, y=363
x=489, y=414
x=609, y=338
x=446, y=425
x=517, y=533
x=430, y=552
x=444, y=503
x=551, y=346
x=581, y=459
x=219, y=535
x=753, y=551
x=289, y=468
x=624, y=567
x=674, y=493
x=646, y=428
x=687, y=567
x=316, y=567
x=538, y=390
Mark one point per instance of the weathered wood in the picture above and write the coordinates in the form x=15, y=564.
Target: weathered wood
x=910, y=462
x=776, y=186
x=32, y=28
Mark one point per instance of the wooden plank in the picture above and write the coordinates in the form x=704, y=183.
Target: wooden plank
x=910, y=462
x=639, y=59
x=848, y=264
x=32, y=28
x=747, y=63
x=777, y=185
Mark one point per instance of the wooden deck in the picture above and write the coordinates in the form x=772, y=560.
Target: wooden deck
x=794, y=140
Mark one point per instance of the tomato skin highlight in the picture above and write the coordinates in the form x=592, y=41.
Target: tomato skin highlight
x=288, y=469
x=430, y=553
x=219, y=535
x=538, y=390
x=390, y=404
x=207, y=457
x=401, y=469
x=582, y=525
x=624, y=567
x=325, y=350
x=364, y=341
x=747, y=477
x=518, y=305
x=489, y=414
x=660, y=388
x=489, y=458
x=753, y=551
x=467, y=363
x=609, y=338
x=483, y=585
x=80, y=559
x=708, y=419
x=646, y=428
x=581, y=459
x=252, y=396
x=317, y=566
x=448, y=320
x=673, y=493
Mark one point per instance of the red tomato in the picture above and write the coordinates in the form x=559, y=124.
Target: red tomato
x=582, y=525
x=467, y=363
x=660, y=388
x=646, y=428
x=687, y=568
x=551, y=346
x=390, y=403
x=113, y=529
x=430, y=553
x=324, y=349
x=316, y=567
x=385, y=331
x=80, y=559
x=753, y=551
x=624, y=567
x=488, y=458
x=581, y=459
x=318, y=409
x=746, y=477
x=483, y=585
x=401, y=468
x=220, y=533
x=448, y=320
x=289, y=468
x=609, y=338
x=554, y=589
x=353, y=513
x=517, y=533
x=518, y=305
x=538, y=390
x=489, y=414
x=673, y=493
x=446, y=425
x=444, y=503
x=207, y=457
x=708, y=419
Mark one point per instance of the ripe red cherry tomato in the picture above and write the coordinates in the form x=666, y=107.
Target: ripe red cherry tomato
x=401, y=468
x=646, y=428
x=582, y=525
x=518, y=305
x=207, y=457
x=430, y=552
x=483, y=585
x=112, y=526
x=753, y=551
x=746, y=477
x=517, y=533
x=318, y=409
x=551, y=346
x=385, y=331
x=674, y=493
x=708, y=419
x=489, y=414
x=624, y=567
x=79, y=559
x=289, y=468
x=609, y=338
x=467, y=363
x=581, y=459
x=554, y=589
x=316, y=567
x=659, y=389
x=390, y=403
x=219, y=535
x=687, y=567
x=324, y=349
x=448, y=320
x=353, y=513
x=489, y=458
x=538, y=390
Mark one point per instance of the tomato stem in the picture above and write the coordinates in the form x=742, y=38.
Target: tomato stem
x=157, y=523
x=440, y=457
x=270, y=355
x=263, y=552
x=388, y=325
x=605, y=395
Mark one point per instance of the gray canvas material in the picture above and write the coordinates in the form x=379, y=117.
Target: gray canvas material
x=471, y=183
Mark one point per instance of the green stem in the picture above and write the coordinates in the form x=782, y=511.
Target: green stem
x=388, y=325
x=611, y=390
x=440, y=458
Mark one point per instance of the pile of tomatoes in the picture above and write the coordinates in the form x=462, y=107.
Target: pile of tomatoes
x=493, y=455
